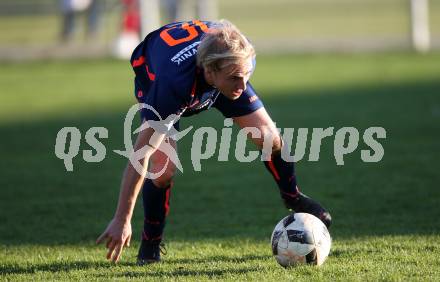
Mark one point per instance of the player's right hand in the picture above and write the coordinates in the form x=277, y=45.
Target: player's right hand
x=118, y=235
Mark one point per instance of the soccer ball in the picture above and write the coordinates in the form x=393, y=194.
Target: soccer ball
x=300, y=238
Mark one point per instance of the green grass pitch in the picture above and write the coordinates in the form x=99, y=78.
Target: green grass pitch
x=386, y=214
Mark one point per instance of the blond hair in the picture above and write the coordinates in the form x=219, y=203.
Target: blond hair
x=223, y=45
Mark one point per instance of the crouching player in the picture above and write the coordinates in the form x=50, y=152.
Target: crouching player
x=182, y=69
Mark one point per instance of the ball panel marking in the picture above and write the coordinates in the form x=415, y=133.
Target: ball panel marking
x=288, y=220
x=275, y=238
x=300, y=236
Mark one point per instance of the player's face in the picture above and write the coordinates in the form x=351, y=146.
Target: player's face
x=231, y=80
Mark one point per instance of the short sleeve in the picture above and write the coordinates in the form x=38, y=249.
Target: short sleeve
x=247, y=103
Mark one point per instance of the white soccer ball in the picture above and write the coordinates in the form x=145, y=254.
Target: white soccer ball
x=300, y=238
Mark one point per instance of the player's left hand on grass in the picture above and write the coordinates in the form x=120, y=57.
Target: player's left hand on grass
x=118, y=235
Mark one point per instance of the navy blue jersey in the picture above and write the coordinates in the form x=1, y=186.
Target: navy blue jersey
x=168, y=79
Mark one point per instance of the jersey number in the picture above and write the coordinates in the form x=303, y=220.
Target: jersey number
x=189, y=27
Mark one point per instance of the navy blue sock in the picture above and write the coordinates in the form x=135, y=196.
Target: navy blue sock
x=156, y=207
x=284, y=174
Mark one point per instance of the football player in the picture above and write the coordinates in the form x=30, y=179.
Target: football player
x=182, y=69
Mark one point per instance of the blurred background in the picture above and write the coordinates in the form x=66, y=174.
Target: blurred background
x=91, y=28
